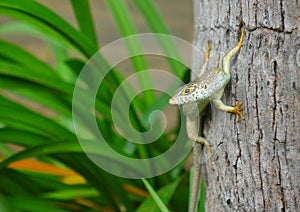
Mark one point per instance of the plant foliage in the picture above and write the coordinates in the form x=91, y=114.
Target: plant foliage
x=42, y=165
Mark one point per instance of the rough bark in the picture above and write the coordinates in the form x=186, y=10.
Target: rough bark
x=257, y=161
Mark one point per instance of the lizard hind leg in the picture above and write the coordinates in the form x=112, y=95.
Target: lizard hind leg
x=204, y=142
x=192, y=125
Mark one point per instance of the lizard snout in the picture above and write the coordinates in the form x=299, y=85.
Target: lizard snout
x=172, y=101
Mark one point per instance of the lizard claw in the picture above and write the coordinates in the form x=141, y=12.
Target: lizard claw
x=237, y=110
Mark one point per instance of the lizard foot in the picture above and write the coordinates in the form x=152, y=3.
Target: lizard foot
x=237, y=110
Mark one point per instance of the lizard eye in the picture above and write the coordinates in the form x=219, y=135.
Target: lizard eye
x=187, y=91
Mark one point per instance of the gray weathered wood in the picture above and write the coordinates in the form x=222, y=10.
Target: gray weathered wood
x=257, y=161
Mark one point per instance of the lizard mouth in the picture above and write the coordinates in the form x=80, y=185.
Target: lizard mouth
x=172, y=101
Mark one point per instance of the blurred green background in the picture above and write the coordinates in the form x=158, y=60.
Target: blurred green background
x=43, y=46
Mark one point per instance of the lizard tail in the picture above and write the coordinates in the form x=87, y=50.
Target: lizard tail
x=197, y=148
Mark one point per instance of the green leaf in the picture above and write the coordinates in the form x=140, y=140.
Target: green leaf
x=4, y=205
x=108, y=185
x=71, y=193
x=201, y=205
x=75, y=65
x=34, y=204
x=53, y=25
x=35, y=13
x=22, y=138
x=84, y=19
x=51, y=138
x=152, y=16
x=160, y=198
x=43, y=149
x=157, y=24
x=42, y=102
x=59, y=48
x=20, y=56
x=201, y=200
x=58, y=147
x=29, y=67
x=20, y=117
x=11, y=183
x=127, y=28
x=16, y=27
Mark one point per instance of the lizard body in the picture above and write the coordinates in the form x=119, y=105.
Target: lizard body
x=194, y=97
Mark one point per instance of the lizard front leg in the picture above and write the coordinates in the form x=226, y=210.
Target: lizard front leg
x=237, y=109
x=204, y=66
x=216, y=98
x=227, y=58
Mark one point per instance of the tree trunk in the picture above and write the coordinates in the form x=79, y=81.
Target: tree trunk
x=256, y=162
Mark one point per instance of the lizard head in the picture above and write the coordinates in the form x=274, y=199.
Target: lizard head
x=188, y=93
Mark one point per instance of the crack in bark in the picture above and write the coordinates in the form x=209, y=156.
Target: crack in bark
x=239, y=153
x=279, y=30
x=274, y=125
x=226, y=158
x=258, y=144
x=282, y=15
x=255, y=11
x=281, y=187
x=218, y=145
x=275, y=99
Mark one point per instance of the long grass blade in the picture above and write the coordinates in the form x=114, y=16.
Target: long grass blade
x=84, y=19
x=155, y=196
x=157, y=24
x=35, y=13
x=126, y=26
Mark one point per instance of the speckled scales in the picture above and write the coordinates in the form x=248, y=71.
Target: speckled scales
x=205, y=87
